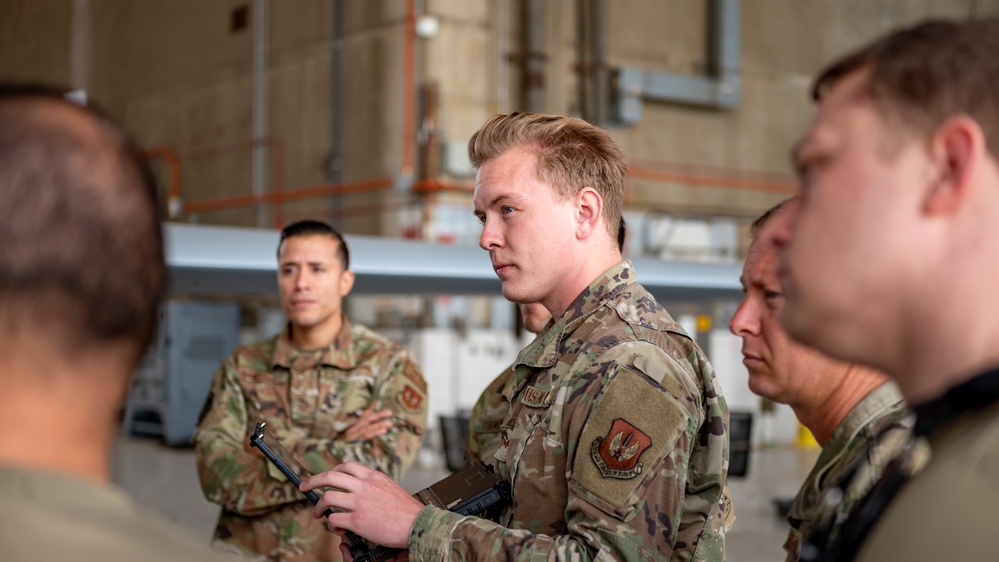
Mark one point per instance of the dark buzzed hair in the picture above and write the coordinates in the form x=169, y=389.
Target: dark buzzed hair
x=312, y=228
x=82, y=246
x=769, y=214
x=921, y=75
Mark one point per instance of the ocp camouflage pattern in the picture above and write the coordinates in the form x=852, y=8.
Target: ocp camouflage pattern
x=486, y=419
x=308, y=399
x=615, y=443
x=873, y=433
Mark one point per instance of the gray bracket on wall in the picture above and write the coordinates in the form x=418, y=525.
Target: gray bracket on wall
x=718, y=89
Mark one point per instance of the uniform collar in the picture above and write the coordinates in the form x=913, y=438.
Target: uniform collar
x=870, y=407
x=339, y=353
x=544, y=352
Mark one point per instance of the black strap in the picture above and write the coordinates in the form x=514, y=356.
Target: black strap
x=973, y=394
x=931, y=417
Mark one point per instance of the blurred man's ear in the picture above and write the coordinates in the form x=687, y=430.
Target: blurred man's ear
x=346, y=282
x=958, y=151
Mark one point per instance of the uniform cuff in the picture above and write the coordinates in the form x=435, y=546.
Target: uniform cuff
x=428, y=539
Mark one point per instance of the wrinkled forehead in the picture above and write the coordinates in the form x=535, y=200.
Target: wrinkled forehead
x=761, y=263
x=764, y=251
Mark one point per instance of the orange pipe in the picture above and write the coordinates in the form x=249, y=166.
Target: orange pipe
x=276, y=148
x=273, y=197
x=409, y=90
x=705, y=170
x=713, y=181
x=433, y=186
x=173, y=163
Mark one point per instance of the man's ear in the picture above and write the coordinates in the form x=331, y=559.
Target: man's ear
x=957, y=149
x=589, y=208
x=346, y=282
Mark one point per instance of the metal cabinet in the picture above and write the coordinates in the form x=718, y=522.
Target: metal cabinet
x=170, y=387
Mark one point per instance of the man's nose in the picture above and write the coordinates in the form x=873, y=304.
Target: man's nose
x=490, y=237
x=745, y=322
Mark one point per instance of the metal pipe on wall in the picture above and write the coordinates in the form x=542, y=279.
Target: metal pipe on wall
x=338, y=13
x=598, y=64
x=409, y=91
x=79, y=51
x=534, y=56
x=502, y=60
x=582, y=61
x=260, y=116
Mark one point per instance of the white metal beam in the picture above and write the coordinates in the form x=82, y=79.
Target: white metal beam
x=217, y=260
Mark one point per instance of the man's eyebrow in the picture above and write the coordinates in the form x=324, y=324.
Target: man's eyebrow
x=307, y=262
x=500, y=198
x=493, y=202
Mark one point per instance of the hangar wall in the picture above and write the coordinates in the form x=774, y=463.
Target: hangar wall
x=179, y=74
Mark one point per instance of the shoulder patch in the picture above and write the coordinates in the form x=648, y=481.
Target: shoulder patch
x=633, y=425
x=411, y=399
x=618, y=453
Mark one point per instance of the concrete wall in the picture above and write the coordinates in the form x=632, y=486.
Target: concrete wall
x=177, y=74
x=35, y=39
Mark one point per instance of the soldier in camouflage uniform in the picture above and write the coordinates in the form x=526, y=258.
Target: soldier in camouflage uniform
x=855, y=413
x=615, y=441
x=319, y=386
x=891, y=261
x=491, y=408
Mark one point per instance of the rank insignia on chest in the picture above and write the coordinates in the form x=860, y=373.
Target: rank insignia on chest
x=411, y=399
x=617, y=453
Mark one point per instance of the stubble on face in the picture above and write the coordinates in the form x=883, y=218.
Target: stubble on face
x=310, y=279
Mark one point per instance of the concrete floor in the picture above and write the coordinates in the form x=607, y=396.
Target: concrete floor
x=165, y=479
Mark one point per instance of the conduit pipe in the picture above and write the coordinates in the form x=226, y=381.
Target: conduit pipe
x=712, y=181
x=409, y=91
x=173, y=164
x=260, y=94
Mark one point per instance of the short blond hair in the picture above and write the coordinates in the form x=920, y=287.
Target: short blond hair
x=572, y=154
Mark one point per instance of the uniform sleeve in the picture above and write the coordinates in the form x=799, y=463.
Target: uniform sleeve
x=628, y=457
x=486, y=418
x=473, y=446
x=708, y=512
x=400, y=388
x=230, y=476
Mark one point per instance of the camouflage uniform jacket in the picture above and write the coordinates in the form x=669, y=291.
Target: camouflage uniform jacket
x=615, y=443
x=486, y=420
x=872, y=434
x=308, y=399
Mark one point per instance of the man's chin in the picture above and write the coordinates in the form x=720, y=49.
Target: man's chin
x=303, y=322
x=511, y=294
